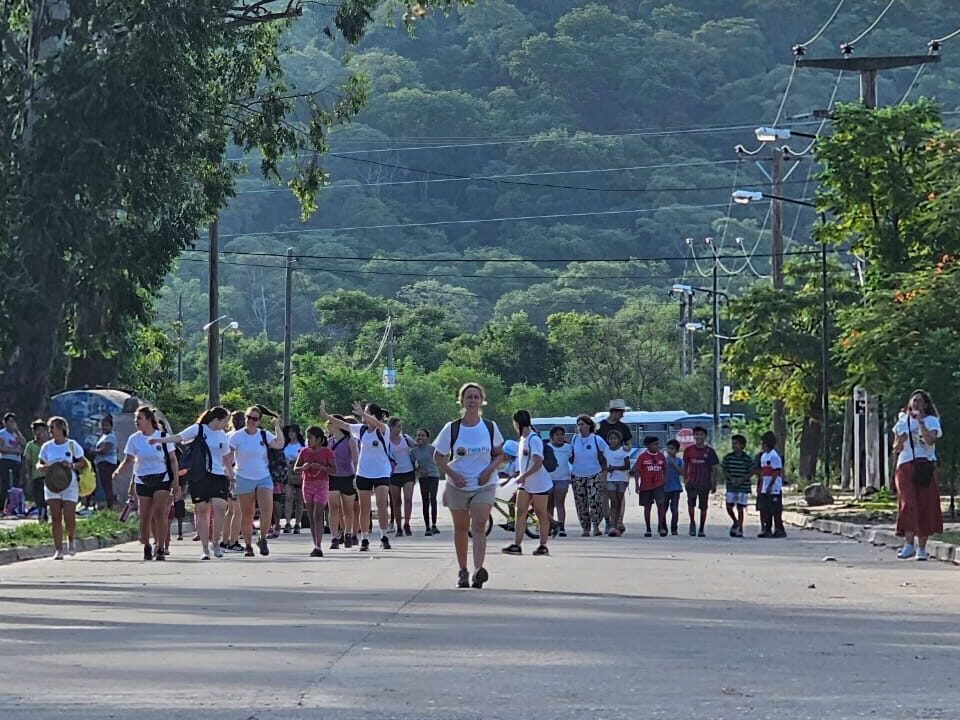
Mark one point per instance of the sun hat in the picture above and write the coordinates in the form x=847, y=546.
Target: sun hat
x=618, y=404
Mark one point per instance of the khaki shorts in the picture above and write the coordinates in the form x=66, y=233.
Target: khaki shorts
x=459, y=499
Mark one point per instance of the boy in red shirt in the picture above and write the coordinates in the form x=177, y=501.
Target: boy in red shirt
x=650, y=471
x=699, y=465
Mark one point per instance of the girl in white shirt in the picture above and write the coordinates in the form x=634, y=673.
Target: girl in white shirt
x=561, y=478
x=534, y=485
x=293, y=505
x=403, y=478
x=60, y=449
x=373, y=465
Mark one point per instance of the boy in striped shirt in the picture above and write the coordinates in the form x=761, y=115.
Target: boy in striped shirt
x=738, y=469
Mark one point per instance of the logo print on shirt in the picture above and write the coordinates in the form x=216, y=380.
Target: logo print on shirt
x=461, y=451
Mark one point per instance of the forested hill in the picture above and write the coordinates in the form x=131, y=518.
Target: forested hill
x=610, y=125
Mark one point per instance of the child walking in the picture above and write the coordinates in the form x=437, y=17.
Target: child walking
x=673, y=473
x=738, y=469
x=650, y=470
x=771, y=489
x=699, y=464
x=618, y=465
x=315, y=463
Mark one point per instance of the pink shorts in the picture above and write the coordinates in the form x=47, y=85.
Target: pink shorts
x=316, y=492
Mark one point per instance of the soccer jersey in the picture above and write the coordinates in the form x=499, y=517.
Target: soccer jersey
x=771, y=473
x=738, y=468
x=699, y=464
x=651, y=469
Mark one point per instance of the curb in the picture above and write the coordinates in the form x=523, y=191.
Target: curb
x=945, y=552
x=13, y=555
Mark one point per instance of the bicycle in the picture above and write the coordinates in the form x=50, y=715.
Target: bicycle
x=502, y=506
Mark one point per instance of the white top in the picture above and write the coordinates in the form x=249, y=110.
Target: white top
x=51, y=452
x=584, y=454
x=540, y=481
x=148, y=459
x=771, y=473
x=10, y=447
x=471, y=451
x=616, y=457
x=216, y=441
x=400, y=452
x=290, y=452
x=923, y=450
x=250, y=453
x=374, y=462
x=562, y=453
x=110, y=457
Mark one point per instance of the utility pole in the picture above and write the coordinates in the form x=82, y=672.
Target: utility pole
x=390, y=340
x=180, y=339
x=868, y=67
x=776, y=217
x=287, y=334
x=213, y=329
x=716, y=350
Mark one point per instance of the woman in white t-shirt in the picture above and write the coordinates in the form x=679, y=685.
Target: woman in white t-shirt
x=918, y=493
x=62, y=506
x=252, y=479
x=374, y=465
x=403, y=478
x=468, y=451
x=534, y=485
x=209, y=492
x=155, y=477
x=587, y=473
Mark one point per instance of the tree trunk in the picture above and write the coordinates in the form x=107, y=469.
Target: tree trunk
x=91, y=367
x=27, y=368
x=809, y=446
x=779, y=422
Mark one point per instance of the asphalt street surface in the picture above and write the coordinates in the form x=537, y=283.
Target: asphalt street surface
x=606, y=628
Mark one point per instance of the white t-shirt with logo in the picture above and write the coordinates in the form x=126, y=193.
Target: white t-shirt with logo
x=147, y=459
x=374, y=460
x=616, y=458
x=562, y=453
x=250, y=453
x=471, y=451
x=217, y=443
x=540, y=481
x=922, y=449
x=51, y=452
x=584, y=454
x=400, y=452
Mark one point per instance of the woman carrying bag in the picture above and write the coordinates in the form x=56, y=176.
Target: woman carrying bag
x=918, y=494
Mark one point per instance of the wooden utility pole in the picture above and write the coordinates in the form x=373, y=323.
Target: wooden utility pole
x=868, y=67
x=776, y=218
x=287, y=334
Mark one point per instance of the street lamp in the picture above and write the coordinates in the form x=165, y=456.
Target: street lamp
x=772, y=134
x=232, y=326
x=745, y=197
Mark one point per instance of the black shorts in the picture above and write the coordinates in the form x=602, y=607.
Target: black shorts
x=209, y=488
x=649, y=497
x=697, y=496
x=539, y=494
x=342, y=484
x=150, y=484
x=368, y=484
x=401, y=479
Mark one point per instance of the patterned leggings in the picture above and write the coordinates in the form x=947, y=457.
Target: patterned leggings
x=588, y=492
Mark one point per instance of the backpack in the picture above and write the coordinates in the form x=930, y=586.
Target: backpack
x=196, y=458
x=275, y=461
x=549, y=458
x=455, y=433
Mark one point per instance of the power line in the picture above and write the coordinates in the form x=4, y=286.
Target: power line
x=816, y=35
x=437, y=223
x=871, y=26
x=950, y=36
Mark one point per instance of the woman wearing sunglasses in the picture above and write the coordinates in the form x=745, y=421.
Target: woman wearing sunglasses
x=252, y=480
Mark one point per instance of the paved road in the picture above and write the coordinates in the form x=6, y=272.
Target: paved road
x=603, y=628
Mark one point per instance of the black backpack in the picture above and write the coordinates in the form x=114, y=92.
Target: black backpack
x=196, y=458
x=549, y=458
x=275, y=461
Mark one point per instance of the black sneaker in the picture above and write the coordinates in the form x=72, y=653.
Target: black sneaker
x=701, y=534
x=354, y=539
x=512, y=549
x=542, y=550
x=348, y=541
x=385, y=542
x=480, y=577
x=781, y=533
x=296, y=529
x=733, y=531
x=316, y=552
x=561, y=532
x=428, y=532
x=160, y=554
x=262, y=544
x=674, y=531
x=248, y=551
x=236, y=547
x=765, y=534
x=364, y=545
x=335, y=544
x=463, y=579
x=648, y=534
x=693, y=529
x=287, y=529
x=399, y=532
x=407, y=531
x=434, y=530
x=326, y=530
x=662, y=532
x=147, y=552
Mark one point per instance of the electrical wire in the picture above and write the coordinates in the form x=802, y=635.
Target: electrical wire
x=913, y=83
x=950, y=36
x=383, y=342
x=786, y=92
x=872, y=25
x=439, y=223
x=816, y=35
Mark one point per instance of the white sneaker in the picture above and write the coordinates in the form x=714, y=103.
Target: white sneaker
x=58, y=555
x=205, y=555
x=217, y=550
x=72, y=548
x=907, y=552
x=921, y=554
